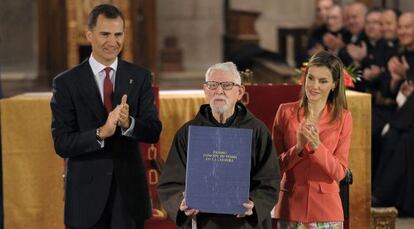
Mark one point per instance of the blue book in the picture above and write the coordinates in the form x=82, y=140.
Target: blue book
x=218, y=169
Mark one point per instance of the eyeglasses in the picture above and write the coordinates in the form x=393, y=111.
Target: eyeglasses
x=213, y=85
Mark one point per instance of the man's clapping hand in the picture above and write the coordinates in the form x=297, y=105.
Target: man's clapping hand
x=124, y=119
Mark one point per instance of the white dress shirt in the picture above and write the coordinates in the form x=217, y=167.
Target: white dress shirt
x=98, y=70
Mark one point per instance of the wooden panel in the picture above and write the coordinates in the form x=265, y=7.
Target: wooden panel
x=144, y=22
x=32, y=172
x=360, y=160
x=176, y=108
x=51, y=39
x=299, y=37
x=240, y=30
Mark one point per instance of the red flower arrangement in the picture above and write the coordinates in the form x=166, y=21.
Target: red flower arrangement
x=348, y=72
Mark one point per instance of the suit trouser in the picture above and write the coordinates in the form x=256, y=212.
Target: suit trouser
x=115, y=215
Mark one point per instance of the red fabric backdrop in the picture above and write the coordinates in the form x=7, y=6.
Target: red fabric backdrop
x=152, y=161
x=264, y=100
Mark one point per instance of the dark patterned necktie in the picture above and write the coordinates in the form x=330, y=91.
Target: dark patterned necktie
x=107, y=89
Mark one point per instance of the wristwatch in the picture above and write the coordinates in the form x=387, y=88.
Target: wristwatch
x=98, y=134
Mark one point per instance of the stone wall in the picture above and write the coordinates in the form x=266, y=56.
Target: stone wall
x=276, y=14
x=18, y=39
x=198, y=25
x=407, y=5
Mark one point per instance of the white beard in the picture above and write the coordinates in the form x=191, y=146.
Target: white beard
x=219, y=109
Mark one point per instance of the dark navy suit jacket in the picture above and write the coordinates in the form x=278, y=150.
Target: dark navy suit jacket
x=77, y=111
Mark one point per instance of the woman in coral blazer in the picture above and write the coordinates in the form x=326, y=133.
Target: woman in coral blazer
x=312, y=137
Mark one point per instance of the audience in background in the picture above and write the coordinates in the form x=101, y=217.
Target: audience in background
x=380, y=43
x=389, y=49
x=333, y=40
x=354, y=23
x=393, y=126
x=389, y=24
x=367, y=57
x=319, y=29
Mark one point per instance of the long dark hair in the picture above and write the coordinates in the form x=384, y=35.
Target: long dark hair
x=336, y=96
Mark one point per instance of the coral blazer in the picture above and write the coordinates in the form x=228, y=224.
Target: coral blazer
x=309, y=190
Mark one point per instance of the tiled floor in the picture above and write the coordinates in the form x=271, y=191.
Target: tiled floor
x=404, y=223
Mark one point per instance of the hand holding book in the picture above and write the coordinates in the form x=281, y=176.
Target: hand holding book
x=188, y=211
x=249, y=209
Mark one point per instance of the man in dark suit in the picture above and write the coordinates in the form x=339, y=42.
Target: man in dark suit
x=355, y=44
x=101, y=110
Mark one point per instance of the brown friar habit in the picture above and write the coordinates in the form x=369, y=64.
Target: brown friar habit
x=264, y=174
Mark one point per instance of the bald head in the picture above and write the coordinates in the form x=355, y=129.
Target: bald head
x=355, y=17
x=407, y=16
x=406, y=30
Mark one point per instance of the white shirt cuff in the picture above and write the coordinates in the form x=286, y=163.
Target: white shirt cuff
x=401, y=99
x=102, y=143
x=385, y=129
x=128, y=132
